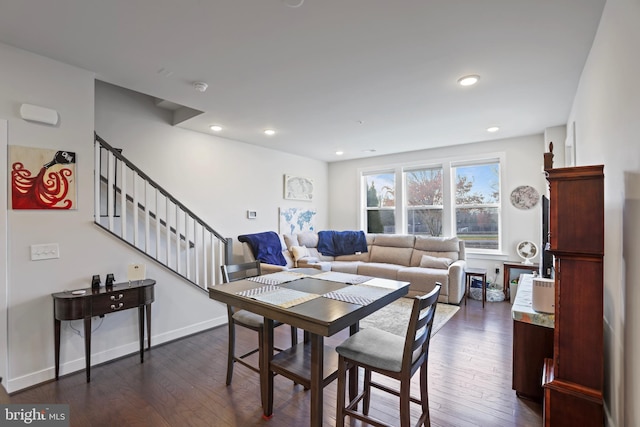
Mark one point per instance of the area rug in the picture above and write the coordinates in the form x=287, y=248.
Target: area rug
x=394, y=318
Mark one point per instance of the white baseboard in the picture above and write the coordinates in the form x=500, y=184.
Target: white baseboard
x=34, y=378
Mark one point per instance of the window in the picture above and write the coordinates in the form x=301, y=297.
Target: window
x=424, y=206
x=443, y=198
x=380, y=191
x=477, y=205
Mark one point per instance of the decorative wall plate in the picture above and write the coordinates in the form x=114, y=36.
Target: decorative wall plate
x=527, y=250
x=524, y=197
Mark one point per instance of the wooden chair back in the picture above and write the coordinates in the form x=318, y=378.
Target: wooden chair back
x=419, y=331
x=233, y=272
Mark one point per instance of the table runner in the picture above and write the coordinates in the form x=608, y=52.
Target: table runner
x=358, y=294
x=276, y=295
x=278, y=277
x=336, y=276
x=284, y=297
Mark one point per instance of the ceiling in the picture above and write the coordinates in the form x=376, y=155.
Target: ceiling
x=367, y=77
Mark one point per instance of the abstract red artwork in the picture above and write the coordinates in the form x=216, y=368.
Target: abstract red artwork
x=42, y=178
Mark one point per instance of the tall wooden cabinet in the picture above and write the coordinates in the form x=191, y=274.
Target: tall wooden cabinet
x=573, y=379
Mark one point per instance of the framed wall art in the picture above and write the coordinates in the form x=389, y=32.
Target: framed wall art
x=298, y=188
x=524, y=197
x=297, y=220
x=42, y=178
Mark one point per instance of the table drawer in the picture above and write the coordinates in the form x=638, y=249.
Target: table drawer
x=116, y=301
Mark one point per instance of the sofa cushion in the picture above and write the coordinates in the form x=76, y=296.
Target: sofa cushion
x=382, y=270
x=437, y=244
x=350, y=267
x=395, y=240
x=364, y=256
x=299, y=252
x=291, y=240
x=308, y=239
x=416, y=256
x=429, y=261
x=290, y=263
x=391, y=255
x=423, y=280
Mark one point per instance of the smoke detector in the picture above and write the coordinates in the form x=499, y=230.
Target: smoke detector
x=200, y=86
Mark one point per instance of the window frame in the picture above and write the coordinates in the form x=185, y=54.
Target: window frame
x=479, y=162
x=406, y=208
x=364, y=193
x=448, y=203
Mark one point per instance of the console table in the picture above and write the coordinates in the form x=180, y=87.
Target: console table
x=508, y=266
x=532, y=342
x=75, y=305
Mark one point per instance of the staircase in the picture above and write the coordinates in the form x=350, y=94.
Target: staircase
x=131, y=206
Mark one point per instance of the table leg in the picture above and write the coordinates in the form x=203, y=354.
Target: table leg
x=484, y=289
x=56, y=331
x=266, y=376
x=148, y=308
x=141, y=331
x=317, y=369
x=505, y=280
x=87, y=346
x=467, y=288
x=353, y=372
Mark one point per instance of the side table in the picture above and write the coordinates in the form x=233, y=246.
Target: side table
x=86, y=303
x=508, y=266
x=476, y=272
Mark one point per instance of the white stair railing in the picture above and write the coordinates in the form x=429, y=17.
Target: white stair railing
x=131, y=206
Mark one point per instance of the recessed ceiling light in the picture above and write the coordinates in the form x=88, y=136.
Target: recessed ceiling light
x=468, y=80
x=215, y=128
x=493, y=129
x=339, y=153
x=269, y=132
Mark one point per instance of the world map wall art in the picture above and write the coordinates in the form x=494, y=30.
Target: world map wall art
x=42, y=178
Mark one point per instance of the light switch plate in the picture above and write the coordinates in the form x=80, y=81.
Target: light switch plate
x=45, y=251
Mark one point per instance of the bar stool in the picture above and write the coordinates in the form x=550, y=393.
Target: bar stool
x=476, y=272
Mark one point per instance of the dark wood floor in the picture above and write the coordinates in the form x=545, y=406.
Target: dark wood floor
x=183, y=383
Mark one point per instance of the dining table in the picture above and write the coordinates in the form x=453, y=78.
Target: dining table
x=321, y=305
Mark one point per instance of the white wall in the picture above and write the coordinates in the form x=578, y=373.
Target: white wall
x=218, y=179
x=523, y=166
x=239, y=177
x=3, y=253
x=606, y=113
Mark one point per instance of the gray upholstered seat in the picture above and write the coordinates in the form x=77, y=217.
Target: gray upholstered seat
x=374, y=347
x=248, y=318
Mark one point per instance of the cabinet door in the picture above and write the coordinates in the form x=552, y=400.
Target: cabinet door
x=576, y=216
x=578, y=340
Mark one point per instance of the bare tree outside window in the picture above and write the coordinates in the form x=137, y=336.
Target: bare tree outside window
x=478, y=205
x=424, y=201
x=440, y=199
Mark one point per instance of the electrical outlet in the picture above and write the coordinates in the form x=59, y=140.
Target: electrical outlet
x=45, y=251
x=497, y=267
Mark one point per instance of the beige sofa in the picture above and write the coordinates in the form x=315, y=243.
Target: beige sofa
x=420, y=260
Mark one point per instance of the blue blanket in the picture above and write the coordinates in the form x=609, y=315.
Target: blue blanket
x=266, y=247
x=334, y=243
